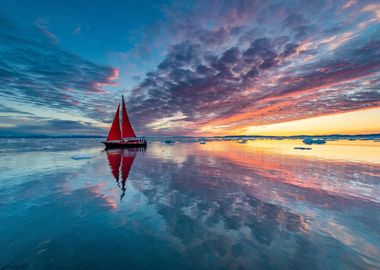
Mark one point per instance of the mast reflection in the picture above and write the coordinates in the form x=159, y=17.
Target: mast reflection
x=120, y=162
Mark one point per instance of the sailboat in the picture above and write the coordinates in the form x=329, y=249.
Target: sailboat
x=124, y=136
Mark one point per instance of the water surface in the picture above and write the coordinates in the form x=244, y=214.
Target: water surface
x=221, y=205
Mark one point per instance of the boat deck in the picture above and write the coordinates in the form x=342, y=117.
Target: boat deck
x=125, y=144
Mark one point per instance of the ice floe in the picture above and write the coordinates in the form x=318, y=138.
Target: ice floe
x=82, y=156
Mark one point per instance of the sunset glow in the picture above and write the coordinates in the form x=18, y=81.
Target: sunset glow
x=358, y=122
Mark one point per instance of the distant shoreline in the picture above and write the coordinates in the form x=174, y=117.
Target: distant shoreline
x=50, y=137
x=331, y=137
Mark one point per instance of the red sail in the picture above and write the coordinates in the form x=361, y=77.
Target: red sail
x=126, y=127
x=114, y=160
x=114, y=133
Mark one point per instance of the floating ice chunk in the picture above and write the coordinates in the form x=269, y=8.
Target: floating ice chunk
x=82, y=156
x=313, y=141
x=48, y=147
x=302, y=148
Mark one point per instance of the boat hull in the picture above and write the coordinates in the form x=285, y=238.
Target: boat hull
x=127, y=144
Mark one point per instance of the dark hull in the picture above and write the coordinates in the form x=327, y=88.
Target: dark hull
x=110, y=145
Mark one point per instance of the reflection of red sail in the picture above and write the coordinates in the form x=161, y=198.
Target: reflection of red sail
x=114, y=159
x=126, y=164
x=115, y=133
x=121, y=158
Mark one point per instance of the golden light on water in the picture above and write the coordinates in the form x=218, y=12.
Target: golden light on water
x=342, y=150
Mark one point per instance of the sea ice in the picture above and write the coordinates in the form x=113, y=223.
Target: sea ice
x=302, y=148
x=48, y=147
x=82, y=156
x=313, y=141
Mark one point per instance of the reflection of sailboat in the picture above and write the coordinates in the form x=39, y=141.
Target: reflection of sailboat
x=123, y=136
x=120, y=162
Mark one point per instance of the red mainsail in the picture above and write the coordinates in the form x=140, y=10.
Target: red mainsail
x=115, y=133
x=126, y=127
x=114, y=160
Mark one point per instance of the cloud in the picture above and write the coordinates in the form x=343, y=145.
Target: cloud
x=136, y=77
x=229, y=64
x=7, y=110
x=282, y=70
x=35, y=70
x=38, y=126
x=41, y=25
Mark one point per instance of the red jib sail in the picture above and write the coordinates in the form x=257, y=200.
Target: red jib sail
x=126, y=164
x=114, y=133
x=126, y=127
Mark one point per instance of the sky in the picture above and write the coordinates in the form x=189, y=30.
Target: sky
x=197, y=68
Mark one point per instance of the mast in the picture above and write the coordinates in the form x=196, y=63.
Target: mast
x=115, y=133
x=126, y=127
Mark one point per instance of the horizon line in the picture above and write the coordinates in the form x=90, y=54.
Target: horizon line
x=191, y=136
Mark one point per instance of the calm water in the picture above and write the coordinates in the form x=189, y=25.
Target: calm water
x=222, y=205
